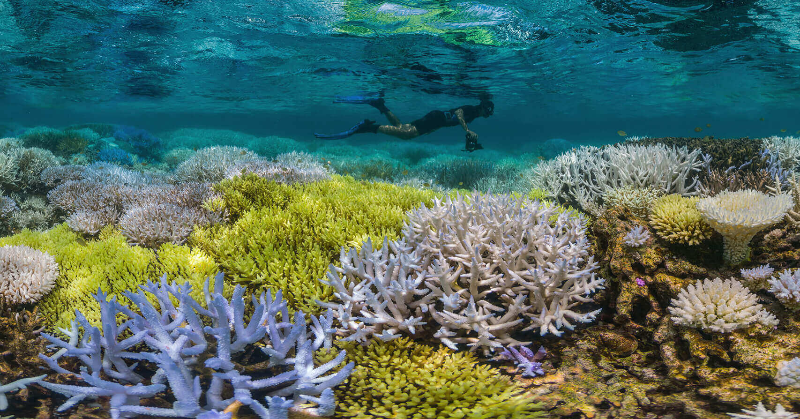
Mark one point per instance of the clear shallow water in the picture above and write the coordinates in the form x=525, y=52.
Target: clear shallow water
x=579, y=70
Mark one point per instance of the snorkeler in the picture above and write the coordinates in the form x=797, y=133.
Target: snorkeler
x=432, y=121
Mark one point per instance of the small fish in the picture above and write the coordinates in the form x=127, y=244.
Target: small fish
x=541, y=158
x=521, y=175
x=798, y=132
x=708, y=125
x=707, y=138
x=426, y=184
x=460, y=183
x=762, y=119
x=697, y=129
x=622, y=133
x=405, y=172
x=783, y=130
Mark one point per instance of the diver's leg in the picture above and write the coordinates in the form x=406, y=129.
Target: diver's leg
x=380, y=105
x=402, y=131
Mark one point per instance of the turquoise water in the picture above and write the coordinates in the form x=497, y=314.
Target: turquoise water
x=578, y=70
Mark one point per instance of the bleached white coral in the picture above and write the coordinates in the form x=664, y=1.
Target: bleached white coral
x=762, y=413
x=473, y=269
x=786, y=288
x=585, y=174
x=26, y=274
x=788, y=373
x=151, y=225
x=211, y=164
x=718, y=306
x=637, y=236
x=738, y=216
x=758, y=273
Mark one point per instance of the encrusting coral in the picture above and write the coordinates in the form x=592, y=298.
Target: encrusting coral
x=719, y=306
x=26, y=274
x=402, y=379
x=738, y=216
x=469, y=270
x=676, y=220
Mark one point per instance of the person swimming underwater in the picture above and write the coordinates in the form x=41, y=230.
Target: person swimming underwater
x=432, y=121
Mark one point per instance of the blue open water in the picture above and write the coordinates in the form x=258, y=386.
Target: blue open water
x=574, y=69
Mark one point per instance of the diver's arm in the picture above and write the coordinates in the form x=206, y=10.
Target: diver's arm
x=460, y=115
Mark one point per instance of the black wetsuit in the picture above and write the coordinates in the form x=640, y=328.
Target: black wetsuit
x=434, y=120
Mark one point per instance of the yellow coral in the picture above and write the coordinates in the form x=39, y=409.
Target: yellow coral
x=108, y=263
x=400, y=379
x=285, y=237
x=676, y=220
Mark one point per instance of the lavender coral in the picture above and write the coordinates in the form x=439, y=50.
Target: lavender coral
x=175, y=338
x=757, y=276
x=476, y=268
x=526, y=360
x=787, y=288
x=788, y=373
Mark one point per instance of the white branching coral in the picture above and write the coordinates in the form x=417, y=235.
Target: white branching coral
x=788, y=373
x=26, y=274
x=637, y=236
x=786, y=288
x=756, y=278
x=761, y=412
x=585, y=174
x=719, y=306
x=738, y=216
x=473, y=269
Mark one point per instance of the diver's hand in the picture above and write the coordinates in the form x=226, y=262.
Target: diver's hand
x=472, y=136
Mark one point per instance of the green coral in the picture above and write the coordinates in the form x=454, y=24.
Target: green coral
x=108, y=263
x=677, y=220
x=63, y=143
x=400, y=379
x=285, y=237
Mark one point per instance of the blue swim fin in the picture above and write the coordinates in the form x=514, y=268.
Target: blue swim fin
x=365, y=98
x=363, y=126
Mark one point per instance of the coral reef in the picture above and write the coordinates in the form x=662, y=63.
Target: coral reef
x=463, y=272
x=174, y=339
x=138, y=140
x=63, y=143
x=676, y=220
x=403, y=379
x=786, y=288
x=285, y=236
x=26, y=274
x=738, y=216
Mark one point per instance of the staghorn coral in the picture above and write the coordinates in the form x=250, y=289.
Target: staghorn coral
x=788, y=373
x=676, y=220
x=583, y=175
x=26, y=274
x=718, y=306
x=786, y=288
x=718, y=180
x=212, y=164
x=176, y=338
x=762, y=412
x=289, y=168
x=151, y=225
x=404, y=379
x=637, y=236
x=473, y=270
x=738, y=216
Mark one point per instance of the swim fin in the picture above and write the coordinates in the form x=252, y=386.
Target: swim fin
x=363, y=126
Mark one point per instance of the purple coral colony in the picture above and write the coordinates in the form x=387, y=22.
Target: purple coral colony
x=175, y=242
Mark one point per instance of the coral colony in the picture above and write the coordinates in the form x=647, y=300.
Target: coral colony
x=366, y=287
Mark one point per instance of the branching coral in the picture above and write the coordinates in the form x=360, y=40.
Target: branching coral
x=786, y=288
x=718, y=306
x=584, y=175
x=284, y=237
x=212, y=164
x=638, y=200
x=761, y=412
x=757, y=277
x=676, y=220
x=738, y=216
x=108, y=263
x=177, y=338
x=637, y=236
x=26, y=274
x=401, y=379
x=474, y=270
